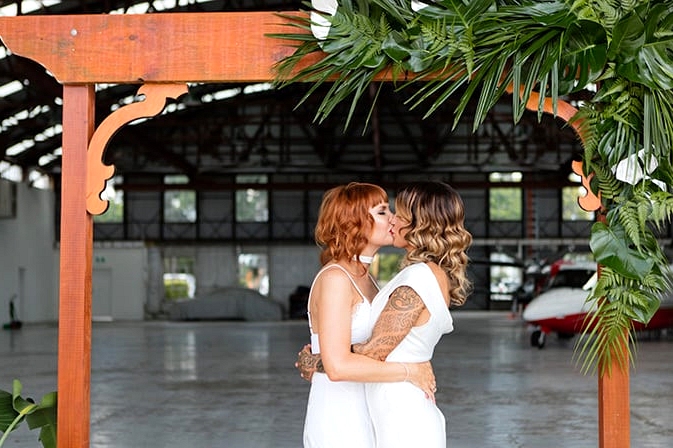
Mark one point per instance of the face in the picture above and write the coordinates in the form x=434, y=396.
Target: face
x=400, y=226
x=381, y=233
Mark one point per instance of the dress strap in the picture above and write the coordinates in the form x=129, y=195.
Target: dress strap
x=329, y=266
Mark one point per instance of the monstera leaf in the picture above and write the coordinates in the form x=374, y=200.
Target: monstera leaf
x=610, y=248
x=642, y=46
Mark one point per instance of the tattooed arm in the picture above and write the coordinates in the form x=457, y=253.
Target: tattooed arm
x=398, y=316
x=402, y=311
x=341, y=364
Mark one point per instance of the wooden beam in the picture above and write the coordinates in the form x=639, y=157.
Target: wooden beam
x=76, y=250
x=141, y=48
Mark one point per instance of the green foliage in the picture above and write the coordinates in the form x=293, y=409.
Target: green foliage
x=662, y=207
x=114, y=213
x=14, y=410
x=604, y=181
x=617, y=302
x=505, y=204
x=621, y=50
x=389, y=265
x=175, y=289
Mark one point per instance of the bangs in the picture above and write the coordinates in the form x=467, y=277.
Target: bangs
x=366, y=194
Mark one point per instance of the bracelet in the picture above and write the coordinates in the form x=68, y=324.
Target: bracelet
x=406, y=370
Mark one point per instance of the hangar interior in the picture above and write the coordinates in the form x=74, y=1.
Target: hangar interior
x=226, y=183
x=221, y=192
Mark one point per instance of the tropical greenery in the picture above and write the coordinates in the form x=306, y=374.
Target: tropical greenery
x=618, y=54
x=15, y=409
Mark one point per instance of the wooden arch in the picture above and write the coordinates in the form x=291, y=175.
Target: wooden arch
x=161, y=53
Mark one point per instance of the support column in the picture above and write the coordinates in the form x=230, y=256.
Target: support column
x=155, y=282
x=76, y=249
x=614, y=430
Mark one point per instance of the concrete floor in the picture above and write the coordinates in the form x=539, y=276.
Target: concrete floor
x=233, y=385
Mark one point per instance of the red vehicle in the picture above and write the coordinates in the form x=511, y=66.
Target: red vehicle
x=562, y=308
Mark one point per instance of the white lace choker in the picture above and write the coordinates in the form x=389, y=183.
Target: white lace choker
x=364, y=259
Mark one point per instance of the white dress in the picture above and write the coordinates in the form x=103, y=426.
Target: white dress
x=337, y=414
x=401, y=414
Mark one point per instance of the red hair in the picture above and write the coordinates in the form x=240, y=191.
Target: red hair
x=344, y=222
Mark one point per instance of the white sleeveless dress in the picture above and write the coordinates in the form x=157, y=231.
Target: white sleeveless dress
x=401, y=414
x=337, y=414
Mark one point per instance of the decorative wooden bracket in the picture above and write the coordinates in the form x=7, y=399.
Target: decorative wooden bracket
x=98, y=173
x=589, y=202
x=564, y=110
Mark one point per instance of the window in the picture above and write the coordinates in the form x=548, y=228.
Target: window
x=253, y=272
x=506, y=275
x=179, y=279
x=252, y=204
x=179, y=204
x=115, y=198
x=385, y=266
x=571, y=208
x=505, y=203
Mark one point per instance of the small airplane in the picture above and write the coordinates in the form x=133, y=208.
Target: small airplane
x=562, y=306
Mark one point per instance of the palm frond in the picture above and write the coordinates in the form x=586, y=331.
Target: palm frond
x=481, y=50
x=662, y=208
x=609, y=186
x=607, y=337
x=631, y=220
x=608, y=331
x=658, y=122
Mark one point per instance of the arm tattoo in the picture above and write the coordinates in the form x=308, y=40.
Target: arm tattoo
x=396, y=320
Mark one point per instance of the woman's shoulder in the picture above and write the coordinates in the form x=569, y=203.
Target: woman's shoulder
x=333, y=273
x=330, y=269
x=423, y=279
x=412, y=275
x=416, y=269
x=332, y=282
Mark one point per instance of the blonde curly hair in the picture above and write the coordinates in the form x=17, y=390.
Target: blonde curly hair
x=436, y=232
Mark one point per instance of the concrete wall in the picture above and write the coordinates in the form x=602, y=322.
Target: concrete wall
x=29, y=261
x=126, y=276
x=290, y=267
x=119, y=282
x=216, y=266
x=29, y=266
x=122, y=279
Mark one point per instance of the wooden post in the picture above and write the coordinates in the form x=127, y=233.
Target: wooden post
x=614, y=415
x=76, y=250
x=613, y=405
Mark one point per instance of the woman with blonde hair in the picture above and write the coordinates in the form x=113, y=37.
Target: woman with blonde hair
x=353, y=224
